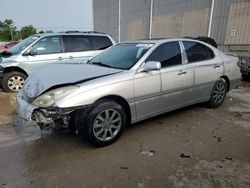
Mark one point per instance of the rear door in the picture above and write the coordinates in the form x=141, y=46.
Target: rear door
x=80, y=48
x=77, y=48
x=100, y=43
x=206, y=67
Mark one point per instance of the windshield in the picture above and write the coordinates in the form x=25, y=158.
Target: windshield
x=121, y=56
x=22, y=45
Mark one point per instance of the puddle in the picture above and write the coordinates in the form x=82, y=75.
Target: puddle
x=213, y=174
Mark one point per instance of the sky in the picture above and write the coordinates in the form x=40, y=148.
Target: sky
x=56, y=15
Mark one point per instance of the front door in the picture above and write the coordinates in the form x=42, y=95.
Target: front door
x=163, y=90
x=147, y=93
x=46, y=51
x=174, y=75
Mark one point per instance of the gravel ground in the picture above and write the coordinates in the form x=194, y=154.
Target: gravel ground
x=192, y=147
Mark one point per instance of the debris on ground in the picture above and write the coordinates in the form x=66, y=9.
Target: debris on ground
x=140, y=185
x=228, y=158
x=184, y=156
x=148, y=152
x=219, y=138
x=123, y=167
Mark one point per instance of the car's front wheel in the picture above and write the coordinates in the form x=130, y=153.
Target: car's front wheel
x=13, y=81
x=105, y=123
x=218, y=93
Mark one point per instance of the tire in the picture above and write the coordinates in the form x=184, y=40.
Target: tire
x=245, y=77
x=218, y=93
x=100, y=130
x=13, y=81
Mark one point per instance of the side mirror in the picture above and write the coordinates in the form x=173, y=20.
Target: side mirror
x=150, y=66
x=32, y=52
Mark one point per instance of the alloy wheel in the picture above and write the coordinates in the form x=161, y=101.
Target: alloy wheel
x=16, y=83
x=219, y=92
x=107, y=124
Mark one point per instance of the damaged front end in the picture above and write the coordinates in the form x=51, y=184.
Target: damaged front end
x=44, y=109
x=59, y=118
x=46, y=117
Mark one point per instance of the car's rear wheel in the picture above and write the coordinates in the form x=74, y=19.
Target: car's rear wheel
x=105, y=123
x=218, y=93
x=13, y=81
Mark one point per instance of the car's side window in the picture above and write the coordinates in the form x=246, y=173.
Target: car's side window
x=77, y=43
x=169, y=54
x=48, y=45
x=100, y=42
x=197, y=51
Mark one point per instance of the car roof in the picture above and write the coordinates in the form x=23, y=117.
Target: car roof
x=90, y=33
x=163, y=40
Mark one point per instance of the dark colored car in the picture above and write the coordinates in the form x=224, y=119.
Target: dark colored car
x=205, y=39
x=7, y=46
x=245, y=68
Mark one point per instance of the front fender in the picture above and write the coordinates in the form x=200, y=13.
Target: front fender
x=123, y=89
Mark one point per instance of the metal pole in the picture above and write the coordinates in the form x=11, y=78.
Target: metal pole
x=151, y=18
x=119, y=21
x=11, y=33
x=93, y=29
x=20, y=35
x=211, y=19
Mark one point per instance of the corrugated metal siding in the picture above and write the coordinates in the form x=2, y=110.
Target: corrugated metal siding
x=178, y=18
x=220, y=17
x=239, y=21
x=175, y=18
x=229, y=14
x=106, y=16
x=135, y=19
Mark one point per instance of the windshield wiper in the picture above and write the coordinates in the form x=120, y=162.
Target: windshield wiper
x=100, y=64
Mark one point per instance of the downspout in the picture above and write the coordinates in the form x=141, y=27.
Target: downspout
x=93, y=27
x=211, y=19
x=119, y=21
x=151, y=18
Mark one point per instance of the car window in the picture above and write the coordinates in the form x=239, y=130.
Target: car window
x=168, y=54
x=100, y=42
x=77, y=43
x=48, y=45
x=197, y=51
x=121, y=56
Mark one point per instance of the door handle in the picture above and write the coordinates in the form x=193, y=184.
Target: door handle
x=71, y=57
x=182, y=73
x=60, y=58
x=216, y=66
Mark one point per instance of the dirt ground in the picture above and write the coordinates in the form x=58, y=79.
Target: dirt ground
x=192, y=147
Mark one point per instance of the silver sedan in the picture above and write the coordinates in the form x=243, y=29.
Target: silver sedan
x=127, y=83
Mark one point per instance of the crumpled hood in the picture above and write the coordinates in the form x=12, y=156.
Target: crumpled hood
x=62, y=74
